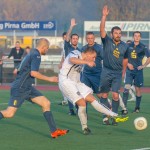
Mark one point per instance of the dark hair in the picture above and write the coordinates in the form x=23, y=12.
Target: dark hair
x=89, y=33
x=74, y=34
x=64, y=33
x=90, y=49
x=28, y=47
x=128, y=41
x=115, y=28
x=137, y=32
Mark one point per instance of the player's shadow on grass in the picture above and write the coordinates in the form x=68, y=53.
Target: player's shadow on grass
x=26, y=128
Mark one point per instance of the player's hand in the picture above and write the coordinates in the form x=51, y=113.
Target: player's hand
x=140, y=67
x=53, y=79
x=105, y=10
x=130, y=66
x=73, y=22
x=91, y=63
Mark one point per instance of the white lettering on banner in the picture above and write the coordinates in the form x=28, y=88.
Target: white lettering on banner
x=11, y=25
x=30, y=25
x=125, y=26
x=48, y=25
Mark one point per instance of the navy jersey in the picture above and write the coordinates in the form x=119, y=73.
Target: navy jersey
x=30, y=63
x=68, y=48
x=98, y=60
x=113, y=54
x=137, y=53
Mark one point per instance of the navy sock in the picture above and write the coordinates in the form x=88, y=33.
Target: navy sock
x=1, y=116
x=125, y=96
x=104, y=101
x=138, y=101
x=50, y=120
x=70, y=105
x=115, y=106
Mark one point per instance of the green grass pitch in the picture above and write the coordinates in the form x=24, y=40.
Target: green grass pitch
x=29, y=131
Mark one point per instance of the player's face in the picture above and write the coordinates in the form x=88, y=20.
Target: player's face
x=116, y=35
x=74, y=40
x=137, y=37
x=44, y=50
x=90, y=39
x=91, y=56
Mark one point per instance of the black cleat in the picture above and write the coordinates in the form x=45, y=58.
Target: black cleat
x=136, y=110
x=86, y=131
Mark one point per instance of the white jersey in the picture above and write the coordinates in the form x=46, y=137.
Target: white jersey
x=70, y=70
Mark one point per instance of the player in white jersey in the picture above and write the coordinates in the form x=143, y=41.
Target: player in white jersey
x=76, y=92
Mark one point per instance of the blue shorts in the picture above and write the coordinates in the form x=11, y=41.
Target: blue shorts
x=134, y=77
x=18, y=96
x=110, y=81
x=92, y=81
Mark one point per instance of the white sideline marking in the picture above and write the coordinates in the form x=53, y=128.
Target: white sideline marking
x=147, y=148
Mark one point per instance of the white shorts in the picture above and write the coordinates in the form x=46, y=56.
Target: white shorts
x=74, y=91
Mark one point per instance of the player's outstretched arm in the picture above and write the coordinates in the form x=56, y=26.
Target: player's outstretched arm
x=105, y=12
x=40, y=76
x=78, y=61
x=72, y=24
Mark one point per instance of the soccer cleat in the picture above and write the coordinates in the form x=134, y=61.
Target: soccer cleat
x=136, y=110
x=106, y=121
x=71, y=112
x=120, y=119
x=124, y=112
x=132, y=99
x=114, y=122
x=59, y=132
x=86, y=131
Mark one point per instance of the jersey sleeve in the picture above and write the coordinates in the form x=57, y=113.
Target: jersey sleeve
x=105, y=39
x=147, y=52
x=35, y=62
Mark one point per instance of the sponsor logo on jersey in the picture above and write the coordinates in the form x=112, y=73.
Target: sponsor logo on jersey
x=116, y=53
x=15, y=102
x=133, y=54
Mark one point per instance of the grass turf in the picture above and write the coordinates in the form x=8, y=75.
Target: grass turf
x=29, y=131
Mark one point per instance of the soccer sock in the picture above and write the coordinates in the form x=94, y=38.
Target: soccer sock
x=100, y=108
x=1, y=116
x=50, y=120
x=115, y=106
x=138, y=101
x=70, y=105
x=132, y=93
x=104, y=101
x=82, y=116
x=125, y=96
x=121, y=103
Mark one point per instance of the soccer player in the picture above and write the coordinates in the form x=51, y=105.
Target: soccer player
x=71, y=43
x=114, y=64
x=22, y=88
x=91, y=75
x=134, y=72
x=76, y=91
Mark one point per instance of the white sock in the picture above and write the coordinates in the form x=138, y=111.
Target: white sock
x=132, y=93
x=121, y=103
x=99, y=107
x=82, y=116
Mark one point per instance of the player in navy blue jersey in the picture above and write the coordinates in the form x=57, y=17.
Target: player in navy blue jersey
x=114, y=64
x=91, y=76
x=134, y=73
x=22, y=88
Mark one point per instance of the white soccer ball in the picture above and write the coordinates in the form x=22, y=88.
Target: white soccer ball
x=140, y=123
